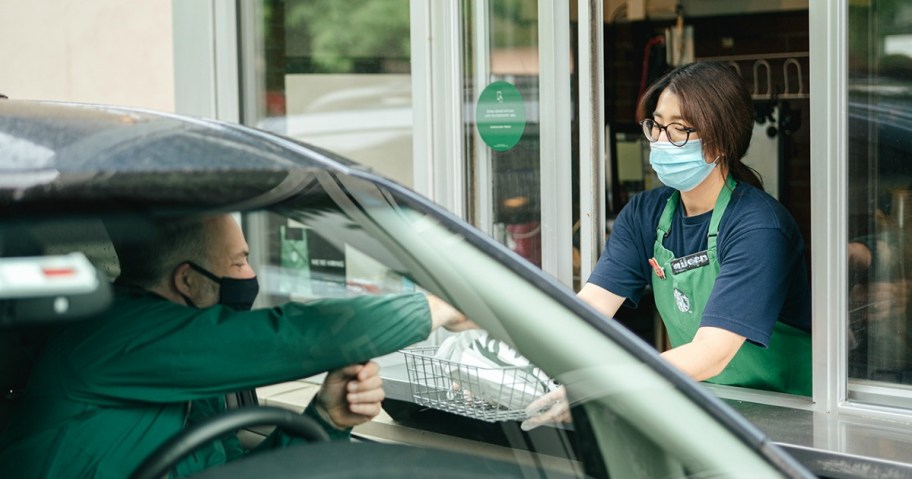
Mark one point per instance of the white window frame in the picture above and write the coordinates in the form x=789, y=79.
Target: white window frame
x=829, y=212
x=206, y=74
x=439, y=110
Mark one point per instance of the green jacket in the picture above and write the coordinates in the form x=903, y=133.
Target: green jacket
x=107, y=392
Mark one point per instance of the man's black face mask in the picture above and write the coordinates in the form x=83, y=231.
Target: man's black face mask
x=237, y=294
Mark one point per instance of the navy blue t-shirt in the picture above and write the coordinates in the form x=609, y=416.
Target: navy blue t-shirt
x=762, y=273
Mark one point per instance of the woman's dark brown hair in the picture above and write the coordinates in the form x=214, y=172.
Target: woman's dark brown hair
x=716, y=103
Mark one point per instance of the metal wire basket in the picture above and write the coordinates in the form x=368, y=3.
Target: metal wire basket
x=488, y=394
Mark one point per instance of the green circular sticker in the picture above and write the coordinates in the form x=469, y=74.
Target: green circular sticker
x=500, y=115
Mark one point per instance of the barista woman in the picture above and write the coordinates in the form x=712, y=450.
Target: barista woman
x=725, y=260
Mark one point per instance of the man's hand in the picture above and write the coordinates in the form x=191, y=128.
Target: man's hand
x=443, y=314
x=351, y=395
x=882, y=300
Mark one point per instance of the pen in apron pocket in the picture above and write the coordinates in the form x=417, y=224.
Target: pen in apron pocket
x=658, y=269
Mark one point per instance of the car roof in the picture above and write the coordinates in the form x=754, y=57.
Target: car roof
x=66, y=157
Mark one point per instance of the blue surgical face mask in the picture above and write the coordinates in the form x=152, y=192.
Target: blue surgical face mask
x=682, y=168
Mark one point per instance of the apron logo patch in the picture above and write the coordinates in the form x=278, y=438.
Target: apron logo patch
x=682, y=301
x=689, y=262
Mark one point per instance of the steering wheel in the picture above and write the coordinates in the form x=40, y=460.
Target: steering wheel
x=186, y=441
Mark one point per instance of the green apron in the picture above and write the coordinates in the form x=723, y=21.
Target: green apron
x=785, y=365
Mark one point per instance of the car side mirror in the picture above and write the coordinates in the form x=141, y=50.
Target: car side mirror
x=44, y=290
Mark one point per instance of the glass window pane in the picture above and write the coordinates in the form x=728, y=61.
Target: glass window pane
x=505, y=185
x=880, y=192
x=336, y=75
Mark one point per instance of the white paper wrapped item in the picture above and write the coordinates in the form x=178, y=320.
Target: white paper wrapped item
x=486, y=369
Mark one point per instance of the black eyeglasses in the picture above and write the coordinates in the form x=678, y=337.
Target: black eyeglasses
x=676, y=133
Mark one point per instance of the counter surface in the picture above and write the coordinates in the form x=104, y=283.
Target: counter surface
x=830, y=445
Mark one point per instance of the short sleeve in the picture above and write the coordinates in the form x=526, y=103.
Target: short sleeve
x=623, y=268
x=755, y=275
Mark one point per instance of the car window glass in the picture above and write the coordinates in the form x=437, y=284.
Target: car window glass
x=471, y=381
x=370, y=242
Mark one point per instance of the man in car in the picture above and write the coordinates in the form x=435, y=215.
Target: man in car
x=178, y=338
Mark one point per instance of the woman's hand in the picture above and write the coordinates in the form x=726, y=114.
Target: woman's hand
x=551, y=408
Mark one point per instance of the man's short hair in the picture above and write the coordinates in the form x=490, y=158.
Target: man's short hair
x=147, y=262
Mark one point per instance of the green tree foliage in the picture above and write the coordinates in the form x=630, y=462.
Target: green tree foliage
x=341, y=36
x=350, y=35
x=514, y=23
